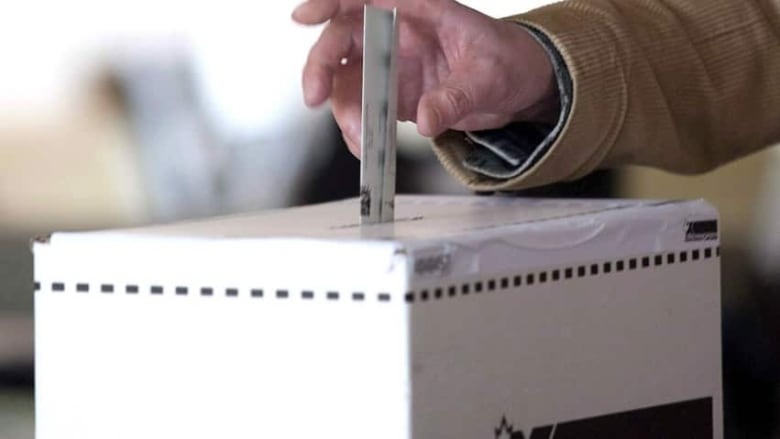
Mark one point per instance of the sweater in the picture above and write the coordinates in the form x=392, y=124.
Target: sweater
x=681, y=85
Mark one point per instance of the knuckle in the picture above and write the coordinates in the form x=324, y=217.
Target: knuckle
x=458, y=99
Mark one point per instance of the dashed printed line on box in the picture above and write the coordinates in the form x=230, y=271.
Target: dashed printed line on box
x=449, y=291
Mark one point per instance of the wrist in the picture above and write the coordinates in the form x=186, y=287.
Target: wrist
x=552, y=84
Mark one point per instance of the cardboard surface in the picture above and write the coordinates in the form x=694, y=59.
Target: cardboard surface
x=465, y=312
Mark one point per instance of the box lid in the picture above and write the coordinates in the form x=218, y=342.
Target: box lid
x=418, y=218
x=463, y=234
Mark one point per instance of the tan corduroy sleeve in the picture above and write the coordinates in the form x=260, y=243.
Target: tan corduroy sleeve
x=683, y=85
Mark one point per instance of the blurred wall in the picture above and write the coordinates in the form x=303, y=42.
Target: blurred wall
x=746, y=197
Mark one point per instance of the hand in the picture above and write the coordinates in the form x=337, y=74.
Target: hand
x=457, y=68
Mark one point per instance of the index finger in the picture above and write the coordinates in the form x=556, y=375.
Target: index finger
x=320, y=11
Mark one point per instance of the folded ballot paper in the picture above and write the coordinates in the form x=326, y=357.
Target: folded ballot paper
x=466, y=317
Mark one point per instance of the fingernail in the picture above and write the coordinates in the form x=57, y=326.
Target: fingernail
x=353, y=147
x=353, y=132
x=307, y=94
x=352, y=142
x=429, y=122
x=311, y=92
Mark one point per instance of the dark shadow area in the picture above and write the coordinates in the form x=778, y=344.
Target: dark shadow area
x=751, y=351
x=16, y=335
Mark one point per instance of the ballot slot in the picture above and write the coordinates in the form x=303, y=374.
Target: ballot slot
x=379, y=115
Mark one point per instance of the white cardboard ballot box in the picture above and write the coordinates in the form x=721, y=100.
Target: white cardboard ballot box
x=468, y=317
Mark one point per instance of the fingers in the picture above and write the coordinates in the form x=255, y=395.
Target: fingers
x=474, y=120
x=313, y=12
x=346, y=104
x=338, y=41
x=319, y=11
x=352, y=145
x=486, y=121
x=456, y=104
x=348, y=121
x=445, y=105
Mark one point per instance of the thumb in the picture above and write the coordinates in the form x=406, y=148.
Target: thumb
x=445, y=105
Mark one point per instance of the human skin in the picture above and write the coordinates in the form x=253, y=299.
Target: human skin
x=458, y=69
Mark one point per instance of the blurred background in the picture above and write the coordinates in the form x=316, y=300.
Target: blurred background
x=116, y=113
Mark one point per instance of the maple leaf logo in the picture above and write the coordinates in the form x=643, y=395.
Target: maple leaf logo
x=505, y=430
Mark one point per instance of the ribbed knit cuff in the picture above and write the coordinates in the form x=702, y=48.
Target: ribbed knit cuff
x=590, y=53
x=510, y=151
